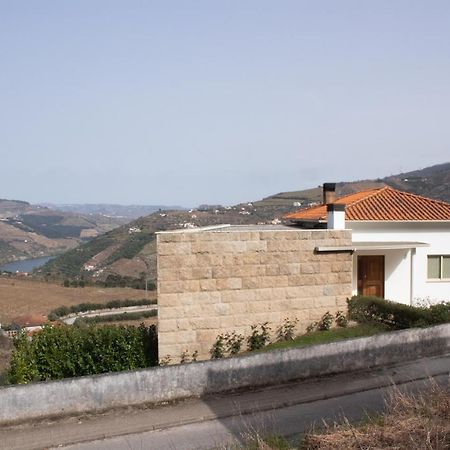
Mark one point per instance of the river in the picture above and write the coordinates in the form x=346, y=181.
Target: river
x=26, y=265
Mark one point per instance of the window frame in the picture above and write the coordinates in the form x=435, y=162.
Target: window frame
x=441, y=268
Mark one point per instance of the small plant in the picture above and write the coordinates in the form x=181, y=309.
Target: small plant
x=325, y=322
x=218, y=348
x=341, y=319
x=194, y=356
x=259, y=338
x=165, y=361
x=286, y=331
x=312, y=327
x=184, y=357
x=233, y=343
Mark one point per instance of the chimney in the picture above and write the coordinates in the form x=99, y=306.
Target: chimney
x=336, y=216
x=329, y=193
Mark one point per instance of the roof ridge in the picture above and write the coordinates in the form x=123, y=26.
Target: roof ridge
x=370, y=193
x=410, y=194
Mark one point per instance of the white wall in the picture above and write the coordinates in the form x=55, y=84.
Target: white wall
x=397, y=269
x=397, y=286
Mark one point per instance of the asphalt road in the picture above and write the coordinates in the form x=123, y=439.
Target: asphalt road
x=217, y=421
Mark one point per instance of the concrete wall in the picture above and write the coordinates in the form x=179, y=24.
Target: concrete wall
x=224, y=280
x=101, y=392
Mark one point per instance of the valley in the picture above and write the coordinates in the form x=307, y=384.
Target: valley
x=130, y=250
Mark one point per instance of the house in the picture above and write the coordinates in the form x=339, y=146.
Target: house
x=400, y=241
x=29, y=323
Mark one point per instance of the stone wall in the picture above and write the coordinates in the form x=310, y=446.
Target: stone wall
x=227, y=279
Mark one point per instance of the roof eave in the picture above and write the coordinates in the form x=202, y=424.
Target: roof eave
x=397, y=221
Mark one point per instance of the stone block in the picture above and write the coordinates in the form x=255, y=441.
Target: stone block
x=238, y=296
x=229, y=283
x=178, y=248
x=167, y=325
x=231, y=260
x=208, y=285
x=201, y=273
x=264, y=294
x=239, y=307
x=221, y=309
x=290, y=269
x=256, y=246
x=283, y=246
x=272, y=269
x=207, y=260
x=221, y=272
x=205, y=323
x=310, y=268
x=250, y=258
x=325, y=302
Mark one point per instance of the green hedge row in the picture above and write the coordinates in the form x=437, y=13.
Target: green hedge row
x=82, y=321
x=61, y=352
x=396, y=315
x=62, y=311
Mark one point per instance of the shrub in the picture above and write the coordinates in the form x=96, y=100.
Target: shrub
x=218, y=348
x=312, y=327
x=396, y=315
x=185, y=357
x=286, y=331
x=259, y=338
x=60, y=352
x=325, y=322
x=341, y=319
x=233, y=343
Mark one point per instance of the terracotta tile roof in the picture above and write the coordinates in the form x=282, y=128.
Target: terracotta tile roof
x=30, y=320
x=383, y=204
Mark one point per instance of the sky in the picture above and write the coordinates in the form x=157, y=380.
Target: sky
x=191, y=102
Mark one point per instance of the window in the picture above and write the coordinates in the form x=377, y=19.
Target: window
x=439, y=267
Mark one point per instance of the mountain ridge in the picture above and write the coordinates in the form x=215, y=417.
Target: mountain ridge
x=130, y=250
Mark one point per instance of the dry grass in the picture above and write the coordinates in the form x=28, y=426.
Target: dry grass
x=411, y=422
x=24, y=296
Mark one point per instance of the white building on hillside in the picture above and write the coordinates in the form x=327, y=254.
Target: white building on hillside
x=400, y=241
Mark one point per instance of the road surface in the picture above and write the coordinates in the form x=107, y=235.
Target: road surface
x=216, y=421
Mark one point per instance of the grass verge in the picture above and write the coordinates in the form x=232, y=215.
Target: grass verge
x=332, y=335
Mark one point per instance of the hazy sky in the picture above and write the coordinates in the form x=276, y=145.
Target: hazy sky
x=189, y=102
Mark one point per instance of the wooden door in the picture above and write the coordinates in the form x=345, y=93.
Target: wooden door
x=371, y=275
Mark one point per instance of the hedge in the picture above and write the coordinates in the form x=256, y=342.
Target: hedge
x=64, y=351
x=83, y=307
x=396, y=315
x=82, y=321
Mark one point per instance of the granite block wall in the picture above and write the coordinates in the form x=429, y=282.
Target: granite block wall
x=218, y=281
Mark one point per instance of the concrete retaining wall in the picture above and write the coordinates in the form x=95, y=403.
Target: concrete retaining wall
x=101, y=392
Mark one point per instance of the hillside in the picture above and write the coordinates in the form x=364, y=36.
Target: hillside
x=432, y=182
x=28, y=231
x=129, y=251
x=111, y=210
